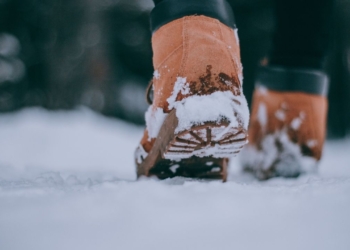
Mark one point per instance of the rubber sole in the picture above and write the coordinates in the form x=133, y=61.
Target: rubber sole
x=200, y=152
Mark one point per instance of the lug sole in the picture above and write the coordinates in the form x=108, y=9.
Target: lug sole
x=200, y=152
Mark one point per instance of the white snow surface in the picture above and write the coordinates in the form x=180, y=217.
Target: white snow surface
x=67, y=181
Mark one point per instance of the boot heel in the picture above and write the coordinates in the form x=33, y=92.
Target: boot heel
x=200, y=151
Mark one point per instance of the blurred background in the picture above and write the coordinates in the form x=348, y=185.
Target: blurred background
x=60, y=54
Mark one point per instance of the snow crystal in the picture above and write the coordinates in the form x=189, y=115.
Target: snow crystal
x=262, y=115
x=140, y=154
x=236, y=35
x=216, y=169
x=280, y=115
x=154, y=121
x=156, y=74
x=180, y=86
x=173, y=168
x=296, y=123
x=312, y=143
x=261, y=90
x=240, y=78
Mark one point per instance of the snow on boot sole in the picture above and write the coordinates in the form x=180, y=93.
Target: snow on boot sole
x=199, y=152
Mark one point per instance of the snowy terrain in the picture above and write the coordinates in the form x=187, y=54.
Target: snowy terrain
x=67, y=181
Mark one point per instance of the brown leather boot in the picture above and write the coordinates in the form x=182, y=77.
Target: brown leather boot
x=288, y=123
x=199, y=115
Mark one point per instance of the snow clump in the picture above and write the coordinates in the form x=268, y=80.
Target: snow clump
x=279, y=151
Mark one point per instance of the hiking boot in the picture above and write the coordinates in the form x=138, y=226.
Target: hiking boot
x=288, y=123
x=199, y=115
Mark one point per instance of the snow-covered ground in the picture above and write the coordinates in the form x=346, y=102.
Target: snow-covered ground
x=67, y=181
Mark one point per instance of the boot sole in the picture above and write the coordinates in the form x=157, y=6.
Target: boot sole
x=200, y=152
